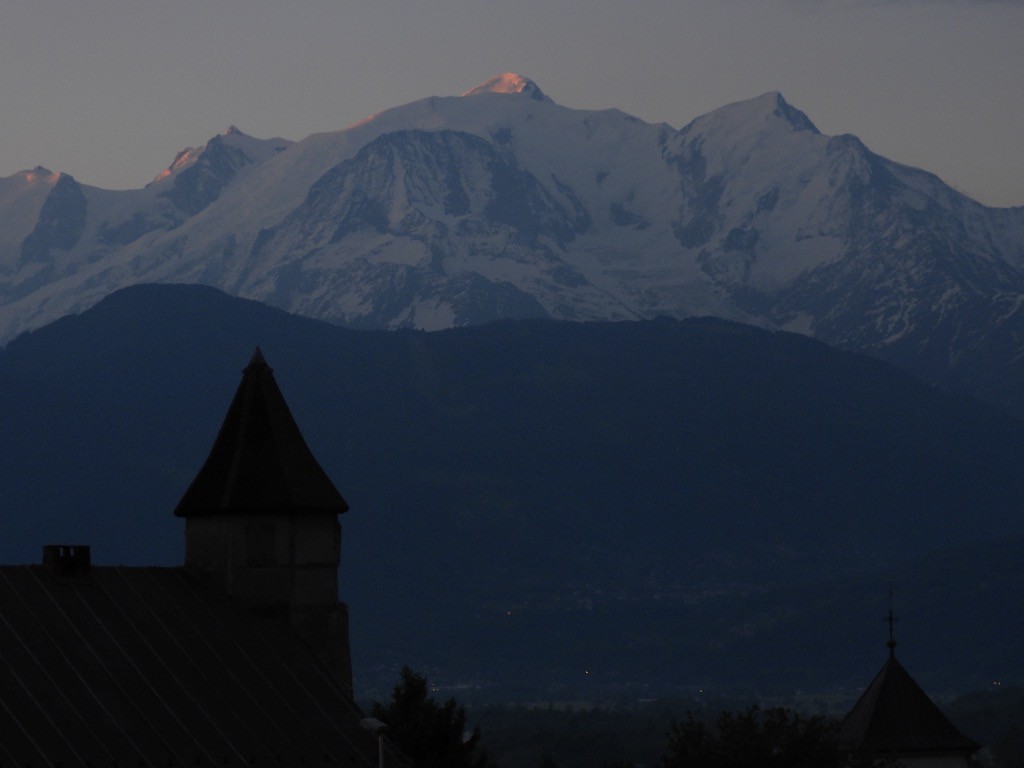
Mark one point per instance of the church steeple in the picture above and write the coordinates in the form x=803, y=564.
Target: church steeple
x=260, y=460
x=261, y=520
x=895, y=719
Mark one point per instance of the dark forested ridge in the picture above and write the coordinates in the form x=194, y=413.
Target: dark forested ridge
x=648, y=505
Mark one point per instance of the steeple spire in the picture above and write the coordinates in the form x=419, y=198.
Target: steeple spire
x=260, y=462
x=895, y=719
x=891, y=618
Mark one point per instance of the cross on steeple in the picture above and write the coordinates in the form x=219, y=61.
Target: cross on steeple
x=891, y=618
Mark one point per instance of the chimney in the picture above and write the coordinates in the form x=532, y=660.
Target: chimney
x=67, y=561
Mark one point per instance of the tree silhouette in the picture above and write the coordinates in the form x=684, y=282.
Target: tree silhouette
x=754, y=738
x=430, y=734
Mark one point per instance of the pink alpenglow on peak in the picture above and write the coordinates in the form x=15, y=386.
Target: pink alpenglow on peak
x=39, y=173
x=508, y=83
x=183, y=158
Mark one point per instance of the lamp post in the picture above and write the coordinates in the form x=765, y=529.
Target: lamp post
x=377, y=728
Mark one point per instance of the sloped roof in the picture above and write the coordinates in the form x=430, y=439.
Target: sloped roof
x=260, y=460
x=150, y=666
x=894, y=716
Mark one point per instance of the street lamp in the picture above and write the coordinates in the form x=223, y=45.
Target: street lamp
x=376, y=727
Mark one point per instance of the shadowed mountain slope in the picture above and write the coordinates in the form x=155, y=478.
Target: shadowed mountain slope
x=525, y=493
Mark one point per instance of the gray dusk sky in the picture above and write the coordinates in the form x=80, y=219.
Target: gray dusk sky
x=110, y=90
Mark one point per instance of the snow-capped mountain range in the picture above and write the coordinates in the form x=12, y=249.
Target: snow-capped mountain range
x=501, y=203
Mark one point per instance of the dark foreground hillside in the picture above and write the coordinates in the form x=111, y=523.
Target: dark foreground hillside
x=583, y=508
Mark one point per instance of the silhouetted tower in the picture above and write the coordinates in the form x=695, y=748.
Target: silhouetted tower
x=261, y=520
x=895, y=720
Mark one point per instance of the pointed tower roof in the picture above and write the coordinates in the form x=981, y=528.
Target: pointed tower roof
x=894, y=716
x=260, y=461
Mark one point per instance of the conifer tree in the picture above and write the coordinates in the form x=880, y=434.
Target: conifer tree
x=429, y=733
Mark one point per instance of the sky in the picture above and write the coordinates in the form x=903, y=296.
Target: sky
x=110, y=90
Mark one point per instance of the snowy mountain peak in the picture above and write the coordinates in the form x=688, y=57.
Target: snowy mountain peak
x=38, y=173
x=183, y=158
x=451, y=211
x=791, y=114
x=767, y=111
x=509, y=83
x=245, y=149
